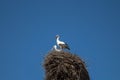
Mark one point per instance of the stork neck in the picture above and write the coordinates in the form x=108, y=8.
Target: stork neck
x=58, y=39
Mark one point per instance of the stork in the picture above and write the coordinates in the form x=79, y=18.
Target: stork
x=55, y=48
x=61, y=44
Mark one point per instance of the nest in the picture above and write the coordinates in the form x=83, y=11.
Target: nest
x=64, y=66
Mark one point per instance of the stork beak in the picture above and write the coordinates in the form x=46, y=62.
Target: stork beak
x=56, y=36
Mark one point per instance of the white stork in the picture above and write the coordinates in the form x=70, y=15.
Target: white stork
x=55, y=48
x=61, y=44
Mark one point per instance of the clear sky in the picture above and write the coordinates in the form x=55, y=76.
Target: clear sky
x=28, y=29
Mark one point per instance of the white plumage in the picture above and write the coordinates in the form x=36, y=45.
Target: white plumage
x=61, y=44
x=55, y=48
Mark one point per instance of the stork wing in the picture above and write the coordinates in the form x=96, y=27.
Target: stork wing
x=64, y=46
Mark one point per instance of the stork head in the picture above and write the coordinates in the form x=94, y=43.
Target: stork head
x=54, y=46
x=57, y=36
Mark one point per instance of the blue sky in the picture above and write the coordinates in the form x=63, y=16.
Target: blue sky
x=28, y=29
